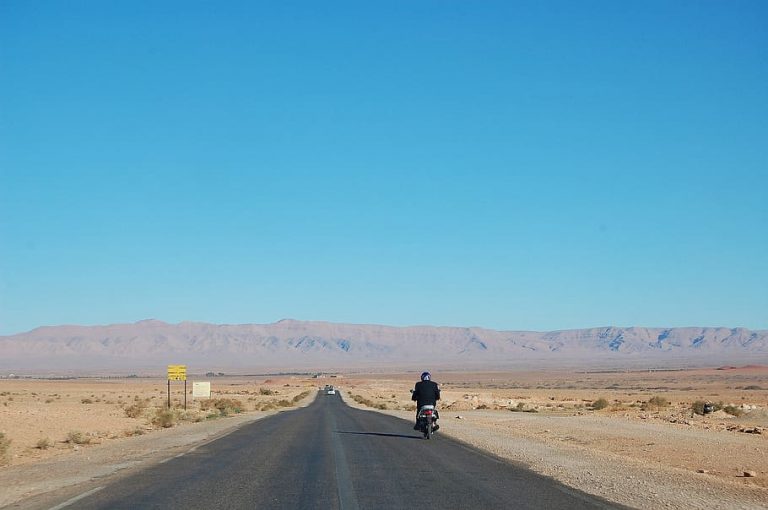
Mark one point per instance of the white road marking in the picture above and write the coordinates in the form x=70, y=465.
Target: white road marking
x=76, y=498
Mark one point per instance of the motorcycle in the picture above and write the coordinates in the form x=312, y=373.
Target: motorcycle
x=427, y=420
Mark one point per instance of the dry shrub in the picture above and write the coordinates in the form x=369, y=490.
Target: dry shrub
x=224, y=406
x=5, y=446
x=43, y=444
x=138, y=431
x=266, y=391
x=86, y=401
x=364, y=401
x=733, y=410
x=165, y=418
x=698, y=407
x=77, y=437
x=520, y=408
x=600, y=403
x=655, y=403
x=136, y=410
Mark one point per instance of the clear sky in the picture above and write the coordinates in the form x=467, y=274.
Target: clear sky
x=513, y=165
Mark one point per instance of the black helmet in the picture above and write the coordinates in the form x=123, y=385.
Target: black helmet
x=425, y=376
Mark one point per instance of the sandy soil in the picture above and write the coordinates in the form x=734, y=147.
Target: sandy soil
x=630, y=452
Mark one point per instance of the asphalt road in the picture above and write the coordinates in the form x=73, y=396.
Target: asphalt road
x=331, y=456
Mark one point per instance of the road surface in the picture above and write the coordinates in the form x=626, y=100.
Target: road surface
x=331, y=456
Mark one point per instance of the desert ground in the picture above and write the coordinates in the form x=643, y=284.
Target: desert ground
x=633, y=437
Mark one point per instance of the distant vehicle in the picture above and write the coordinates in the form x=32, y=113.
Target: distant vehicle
x=330, y=390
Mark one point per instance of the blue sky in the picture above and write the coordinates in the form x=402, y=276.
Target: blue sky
x=536, y=165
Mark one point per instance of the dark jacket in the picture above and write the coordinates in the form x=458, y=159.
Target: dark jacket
x=426, y=393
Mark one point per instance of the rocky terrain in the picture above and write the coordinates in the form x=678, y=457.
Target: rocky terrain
x=290, y=344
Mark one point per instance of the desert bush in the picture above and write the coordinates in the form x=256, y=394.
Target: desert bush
x=362, y=400
x=164, y=417
x=43, y=444
x=300, y=396
x=600, y=403
x=136, y=410
x=266, y=391
x=698, y=407
x=733, y=410
x=5, y=447
x=223, y=406
x=753, y=387
x=655, y=403
x=138, y=431
x=77, y=437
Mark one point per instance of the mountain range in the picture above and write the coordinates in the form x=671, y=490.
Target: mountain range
x=299, y=345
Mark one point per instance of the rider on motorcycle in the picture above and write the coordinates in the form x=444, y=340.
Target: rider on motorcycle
x=426, y=392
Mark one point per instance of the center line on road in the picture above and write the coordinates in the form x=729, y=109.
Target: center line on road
x=347, y=497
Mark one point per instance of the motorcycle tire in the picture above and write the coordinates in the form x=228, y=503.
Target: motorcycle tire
x=428, y=431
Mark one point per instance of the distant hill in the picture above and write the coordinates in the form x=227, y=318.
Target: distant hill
x=290, y=344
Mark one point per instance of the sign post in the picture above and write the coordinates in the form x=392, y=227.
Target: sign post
x=177, y=373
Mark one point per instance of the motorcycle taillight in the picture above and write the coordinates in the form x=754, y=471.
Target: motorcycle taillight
x=428, y=411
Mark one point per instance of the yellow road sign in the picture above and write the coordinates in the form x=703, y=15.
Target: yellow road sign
x=177, y=372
